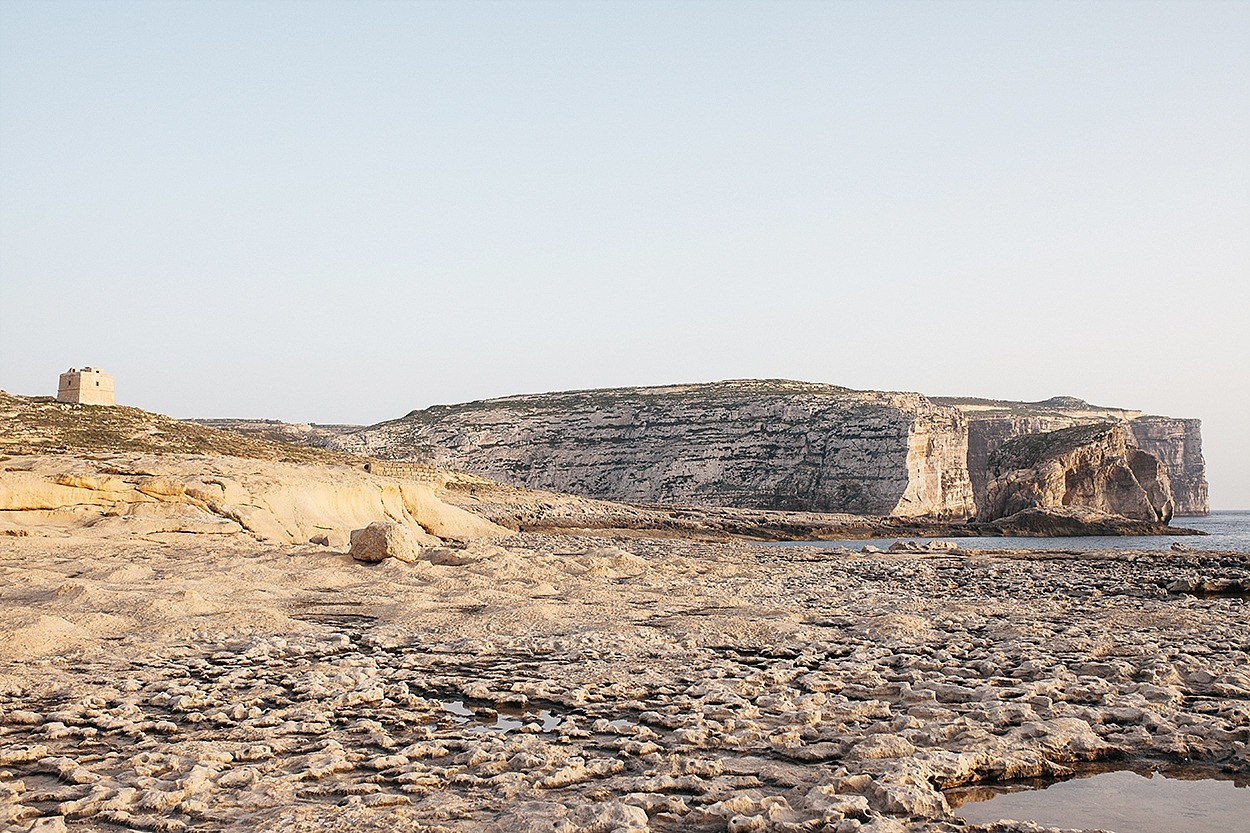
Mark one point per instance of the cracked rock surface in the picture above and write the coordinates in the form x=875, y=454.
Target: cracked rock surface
x=190, y=682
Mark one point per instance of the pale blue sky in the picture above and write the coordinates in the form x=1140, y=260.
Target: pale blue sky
x=339, y=212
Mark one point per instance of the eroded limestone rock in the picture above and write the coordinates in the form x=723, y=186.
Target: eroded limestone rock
x=142, y=494
x=1091, y=466
x=381, y=540
x=1177, y=443
x=560, y=683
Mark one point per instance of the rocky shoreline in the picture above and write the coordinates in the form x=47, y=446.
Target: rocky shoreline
x=528, y=510
x=555, y=683
x=188, y=646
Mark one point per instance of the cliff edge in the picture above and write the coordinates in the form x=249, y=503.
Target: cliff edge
x=764, y=444
x=757, y=444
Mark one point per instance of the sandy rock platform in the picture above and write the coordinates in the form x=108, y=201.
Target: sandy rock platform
x=175, y=682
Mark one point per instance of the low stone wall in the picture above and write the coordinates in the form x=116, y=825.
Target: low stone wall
x=407, y=471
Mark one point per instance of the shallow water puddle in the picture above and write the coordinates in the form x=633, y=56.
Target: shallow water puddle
x=550, y=720
x=1123, y=801
x=457, y=708
x=505, y=723
x=506, y=720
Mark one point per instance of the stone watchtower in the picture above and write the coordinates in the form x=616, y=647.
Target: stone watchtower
x=89, y=386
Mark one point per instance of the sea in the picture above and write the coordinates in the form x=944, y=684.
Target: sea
x=1227, y=530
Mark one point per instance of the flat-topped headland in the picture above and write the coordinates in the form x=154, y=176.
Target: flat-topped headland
x=766, y=444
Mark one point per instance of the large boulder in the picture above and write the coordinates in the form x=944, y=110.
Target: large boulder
x=381, y=540
x=1096, y=467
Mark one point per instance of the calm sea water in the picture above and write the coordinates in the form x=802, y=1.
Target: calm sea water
x=1226, y=530
x=1128, y=802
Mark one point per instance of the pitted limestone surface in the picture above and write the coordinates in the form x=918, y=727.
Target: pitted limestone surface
x=178, y=685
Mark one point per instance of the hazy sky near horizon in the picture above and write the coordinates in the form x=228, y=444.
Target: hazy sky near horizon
x=341, y=211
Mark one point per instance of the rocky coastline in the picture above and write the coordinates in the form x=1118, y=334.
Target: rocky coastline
x=199, y=642
x=531, y=510
x=759, y=444
x=132, y=470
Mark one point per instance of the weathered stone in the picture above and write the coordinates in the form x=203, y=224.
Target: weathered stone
x=727, y=687
x=1090, y=466
x=445, y=557
x=49, y=824
x=781, y=445
x=275, y=501
x=1069, y=521
x=610, y=817
x=1176, y=442
x=384, y=539
x=1178, y=445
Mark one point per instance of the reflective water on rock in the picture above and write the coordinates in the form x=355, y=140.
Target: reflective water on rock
x=457, y=708
x=1177, y=801
x=505, y=719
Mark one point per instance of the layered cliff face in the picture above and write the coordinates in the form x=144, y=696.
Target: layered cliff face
x=1176, y=442
x=1178, y=445
x=773, y=445
x=1090, y=466
x=753, y=444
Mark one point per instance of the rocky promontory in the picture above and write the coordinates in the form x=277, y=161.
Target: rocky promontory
x=1176, y=442
x=1093, y=466
x=775, y=445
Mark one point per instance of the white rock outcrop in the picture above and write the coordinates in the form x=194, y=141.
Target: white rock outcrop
x=1095, y=467
x=273, y=501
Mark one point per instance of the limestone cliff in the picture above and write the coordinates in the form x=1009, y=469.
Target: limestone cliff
x=1095, y=467
x=761, y=444
x=1176, y=442
x=1178, y=445
x=757, y=444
